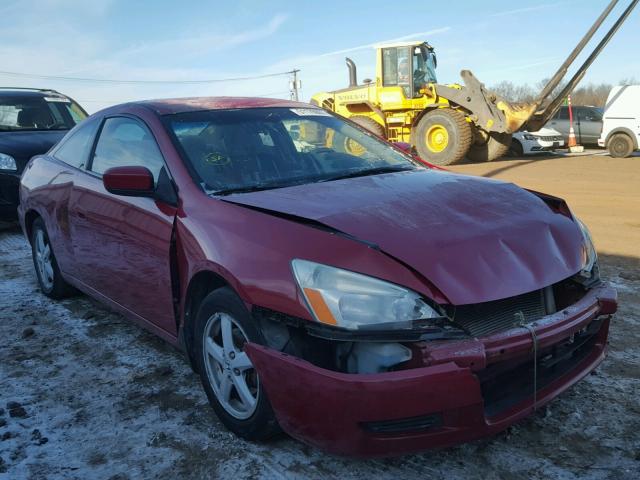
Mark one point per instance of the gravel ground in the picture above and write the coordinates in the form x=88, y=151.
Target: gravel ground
x=85, y=394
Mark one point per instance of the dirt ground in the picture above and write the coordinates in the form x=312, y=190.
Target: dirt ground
x=85, y=394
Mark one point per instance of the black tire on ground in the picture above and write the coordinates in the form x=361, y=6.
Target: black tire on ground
x=55, y=287
x=370, y=124
x=488, y=147
x=442, y=136
x=620, y=145
x=262, y=424
x=516, y=148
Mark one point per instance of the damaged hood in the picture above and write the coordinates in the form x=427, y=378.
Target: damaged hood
x=475, y=239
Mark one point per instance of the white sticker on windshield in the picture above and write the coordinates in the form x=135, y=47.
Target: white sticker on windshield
x=310, y=112
x=57, y=99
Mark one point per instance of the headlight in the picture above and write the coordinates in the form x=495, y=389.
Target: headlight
x=355, y=301
x=589, y=255
x=530, y=137
x=7, y=162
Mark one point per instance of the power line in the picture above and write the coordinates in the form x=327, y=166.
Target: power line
x=110, y=101
x=145, y=82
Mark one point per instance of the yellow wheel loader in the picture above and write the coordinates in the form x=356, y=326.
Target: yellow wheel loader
x=448, y=122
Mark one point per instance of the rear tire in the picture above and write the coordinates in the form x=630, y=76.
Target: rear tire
x=488, y=147
x=620, y=145
x=442, y=136
x=369, y=124
x=223, y=325
x=44, y=260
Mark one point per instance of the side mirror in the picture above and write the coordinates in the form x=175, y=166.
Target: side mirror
x=129, y=181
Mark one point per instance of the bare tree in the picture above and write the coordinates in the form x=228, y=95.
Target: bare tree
x=514, y=93
x=589, y=94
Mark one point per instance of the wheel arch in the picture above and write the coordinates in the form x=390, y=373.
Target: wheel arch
x=625, y=130
x=200, y=285
x=30, y=216
x=517, y=147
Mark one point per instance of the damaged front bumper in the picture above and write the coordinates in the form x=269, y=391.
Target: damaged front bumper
x=463, y=390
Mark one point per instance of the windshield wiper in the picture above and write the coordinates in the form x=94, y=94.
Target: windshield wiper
x=248, y=188
x=57, y=126
x=366, y=172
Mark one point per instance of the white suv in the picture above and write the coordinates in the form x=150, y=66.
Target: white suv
x=621, y=124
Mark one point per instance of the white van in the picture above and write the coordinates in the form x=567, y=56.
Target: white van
x=621, y=123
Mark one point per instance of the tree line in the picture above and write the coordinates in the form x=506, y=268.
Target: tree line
x=590, y=94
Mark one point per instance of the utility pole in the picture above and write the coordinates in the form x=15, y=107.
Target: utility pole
x=295, y=85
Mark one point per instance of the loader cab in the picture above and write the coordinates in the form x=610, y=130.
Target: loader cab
x=409, y=66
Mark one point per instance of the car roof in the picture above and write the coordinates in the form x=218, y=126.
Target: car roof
x=193, y=104
x=27, y=92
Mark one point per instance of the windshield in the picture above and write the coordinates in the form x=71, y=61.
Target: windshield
x=39, y=113
x=231, y=151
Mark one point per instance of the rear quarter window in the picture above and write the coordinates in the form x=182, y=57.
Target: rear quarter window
x=76, y=147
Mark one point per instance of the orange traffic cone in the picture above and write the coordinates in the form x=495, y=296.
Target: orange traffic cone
x=572, y=138
x=572, y=144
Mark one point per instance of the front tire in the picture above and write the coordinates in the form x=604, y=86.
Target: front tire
x=516, y=148
x=47, y=271
x=442, y=136
x=620, y=145
x=369, y=124
x=223, y=326
x=488, y=147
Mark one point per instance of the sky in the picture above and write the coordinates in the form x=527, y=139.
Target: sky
x=164, y=40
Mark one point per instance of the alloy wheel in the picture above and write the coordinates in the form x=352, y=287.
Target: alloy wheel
x=232, y=377
x=44, y=260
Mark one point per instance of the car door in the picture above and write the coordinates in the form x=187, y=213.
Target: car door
x=122, y=243
x=589, y=125
x=560, y=122
x=72, y=154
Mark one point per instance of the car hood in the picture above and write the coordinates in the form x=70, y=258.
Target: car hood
x=543, y=132
x=547, y=131
x=24, y=145
x=475, y=239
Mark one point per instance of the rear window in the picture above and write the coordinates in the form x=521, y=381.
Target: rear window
x=53, y=112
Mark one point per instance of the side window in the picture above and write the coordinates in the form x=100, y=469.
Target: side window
x=563, y=113
x=589, y=114
x=390, y=66
x=75, y=150
x=396, y=66
x=125, y=142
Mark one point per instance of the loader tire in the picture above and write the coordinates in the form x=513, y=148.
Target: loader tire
x=487, y=147
x=369, y=124
x=442, y=136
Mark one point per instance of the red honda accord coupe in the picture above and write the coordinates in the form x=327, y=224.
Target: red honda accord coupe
x=320, y=280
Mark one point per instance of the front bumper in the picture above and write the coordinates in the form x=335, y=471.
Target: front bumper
x=462, y=392
x=9, y=199
x=533, y=146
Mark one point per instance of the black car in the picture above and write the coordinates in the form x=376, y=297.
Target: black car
x=31, y=122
